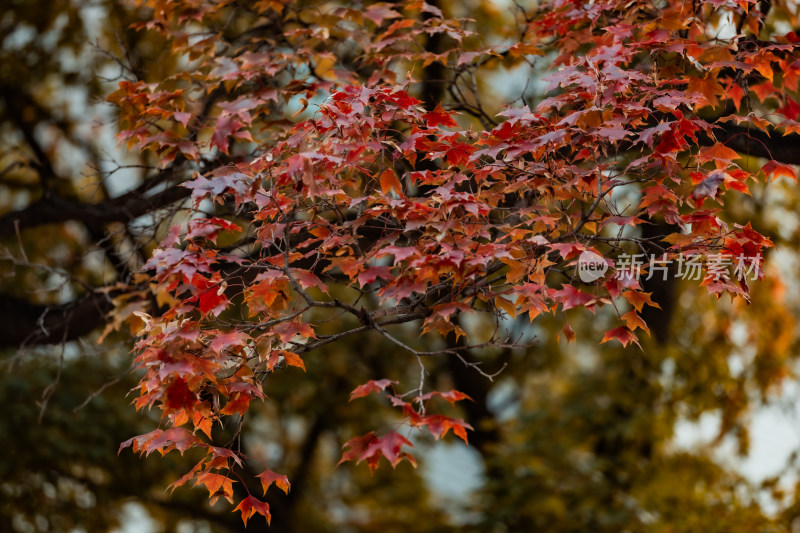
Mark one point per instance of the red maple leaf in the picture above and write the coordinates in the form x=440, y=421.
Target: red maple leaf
x=439, y=425
x=571, y=297
x=371, y=448
x=369, y=387
x=217, y=485
x=251, y=505
x=268, y=477
x=237, y=404
x=623, y=334
x=439, y=117
x=179, y=396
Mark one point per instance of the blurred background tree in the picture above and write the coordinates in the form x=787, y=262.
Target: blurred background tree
x=570, y=437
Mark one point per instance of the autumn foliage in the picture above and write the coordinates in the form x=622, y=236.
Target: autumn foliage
x=330, y=199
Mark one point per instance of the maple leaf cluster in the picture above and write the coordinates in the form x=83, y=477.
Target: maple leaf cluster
x=425, y=211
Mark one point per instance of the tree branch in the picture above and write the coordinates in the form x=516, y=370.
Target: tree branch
x=23, y=323
x=124, y=208
x=755, y=142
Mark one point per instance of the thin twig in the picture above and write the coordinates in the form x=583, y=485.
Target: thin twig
x=96, y=393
